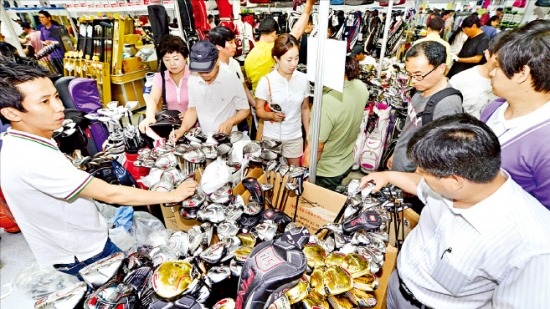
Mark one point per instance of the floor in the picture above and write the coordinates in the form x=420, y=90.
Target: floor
x=14, y=255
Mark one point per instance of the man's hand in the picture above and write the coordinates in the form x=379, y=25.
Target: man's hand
x=175, y=135
x=181, y=116
x=389, y=164
x=185, y=189
x=380, y=179
x=145, y=123
x=278, y=116
x=226, y=127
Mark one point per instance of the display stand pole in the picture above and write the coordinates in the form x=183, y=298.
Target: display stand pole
x=385, y=37
x=318, y=91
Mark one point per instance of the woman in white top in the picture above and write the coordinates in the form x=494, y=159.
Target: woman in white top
x=288, y=89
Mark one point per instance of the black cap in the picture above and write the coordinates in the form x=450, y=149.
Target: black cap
x=357, y=49
x=203, y=57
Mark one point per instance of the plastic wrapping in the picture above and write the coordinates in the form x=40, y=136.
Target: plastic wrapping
x=37, y=282
x=144, y=225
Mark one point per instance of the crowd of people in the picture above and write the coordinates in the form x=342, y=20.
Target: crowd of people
x=472, y=150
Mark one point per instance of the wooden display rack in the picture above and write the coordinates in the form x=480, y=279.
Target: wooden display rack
x=116, y=82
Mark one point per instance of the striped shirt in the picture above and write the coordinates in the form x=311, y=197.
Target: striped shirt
x=495, y=254
x=42, y=186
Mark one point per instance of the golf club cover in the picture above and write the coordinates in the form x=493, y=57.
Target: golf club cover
x=272, y=267
x=253, y=186
x=369, y=220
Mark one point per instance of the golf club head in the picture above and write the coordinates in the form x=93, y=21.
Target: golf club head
x=221, y=138
x=268, y=155
x=253, y=186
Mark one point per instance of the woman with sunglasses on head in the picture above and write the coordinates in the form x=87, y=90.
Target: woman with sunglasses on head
x=285, y=91
x=174, y=54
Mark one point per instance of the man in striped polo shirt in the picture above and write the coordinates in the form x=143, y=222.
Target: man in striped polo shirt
x=51, y=200
x=482, y=241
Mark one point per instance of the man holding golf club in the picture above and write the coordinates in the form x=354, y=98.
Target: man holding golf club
x=482, y=241
x=51, y=200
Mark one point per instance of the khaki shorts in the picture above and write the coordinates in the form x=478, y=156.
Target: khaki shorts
x=292, y=149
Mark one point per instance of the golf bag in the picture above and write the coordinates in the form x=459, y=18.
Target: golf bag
x=159, y=23
x=371, y=139
x=396, y=124
x=200, y=16
x=271, y=268
x=189, y=22
x=7, y=221
x=84, y=139
x=86, y=98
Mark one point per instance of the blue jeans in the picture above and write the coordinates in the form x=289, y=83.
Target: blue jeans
x=73, y=268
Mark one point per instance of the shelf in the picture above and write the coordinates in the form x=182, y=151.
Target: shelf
x=128, y=77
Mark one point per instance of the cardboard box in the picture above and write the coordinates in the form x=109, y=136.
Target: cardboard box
x=390, y=262
x=316, y=207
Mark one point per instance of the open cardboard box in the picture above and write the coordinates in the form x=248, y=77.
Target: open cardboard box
x=316, y=207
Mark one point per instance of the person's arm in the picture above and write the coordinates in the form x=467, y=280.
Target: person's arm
x=307, y=152
x=228, y=125
x=305, y=115
x=240, y=102
x=249, y=96
x=187, y=123
x=124, y=195
x=300, y=26
x=526, y=286
x=151, y=103
x=406, y=181
x=474, y=59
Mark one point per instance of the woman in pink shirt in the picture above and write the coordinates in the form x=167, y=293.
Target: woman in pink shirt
x=174, y=54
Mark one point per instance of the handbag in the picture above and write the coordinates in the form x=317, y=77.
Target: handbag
x=167, y=119
x=259, y=134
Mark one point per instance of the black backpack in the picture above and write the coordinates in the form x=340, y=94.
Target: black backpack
x=428, y=113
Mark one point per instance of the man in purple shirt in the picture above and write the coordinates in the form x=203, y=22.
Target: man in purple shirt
x=49, y=36
x=522, y=121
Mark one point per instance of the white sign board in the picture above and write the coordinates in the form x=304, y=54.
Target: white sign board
x=333, y=63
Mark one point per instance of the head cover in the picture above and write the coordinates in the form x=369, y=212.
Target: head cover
x=203, y=57
x=357, y=49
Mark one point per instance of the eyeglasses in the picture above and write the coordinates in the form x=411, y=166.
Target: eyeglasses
x=420, y=77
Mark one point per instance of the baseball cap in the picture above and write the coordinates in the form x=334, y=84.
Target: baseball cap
x=357, y=49
x=203, y=57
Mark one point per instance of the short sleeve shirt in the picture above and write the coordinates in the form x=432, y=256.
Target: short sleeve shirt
x=290, y=95
x=259, y=62
x=218, y=101
x=42, y=186
x=177, y=96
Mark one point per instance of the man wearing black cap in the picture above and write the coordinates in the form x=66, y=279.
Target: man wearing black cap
x=216, y=97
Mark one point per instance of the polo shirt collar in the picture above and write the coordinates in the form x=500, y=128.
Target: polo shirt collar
x=218, y=79
x=32, y=138
x=294, y=74
x=478, y=216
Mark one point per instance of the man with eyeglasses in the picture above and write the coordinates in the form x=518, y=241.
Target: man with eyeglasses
x=425, y=65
